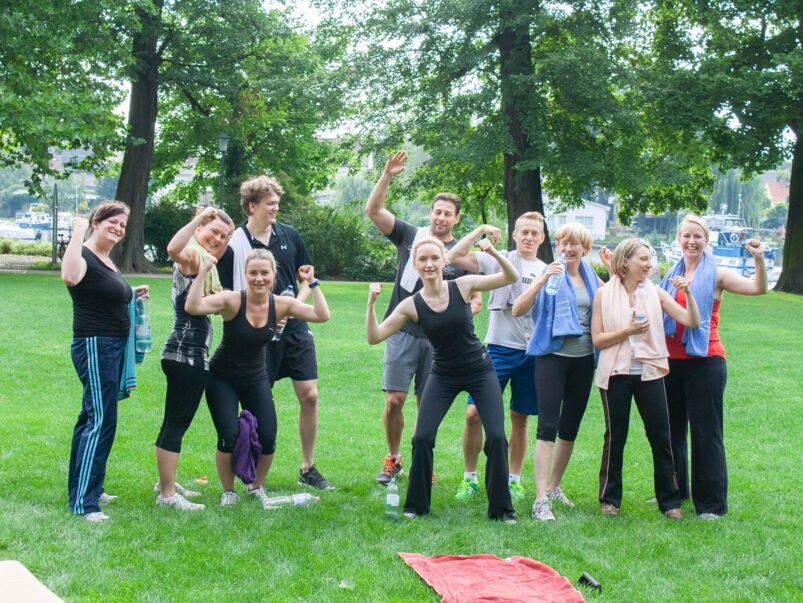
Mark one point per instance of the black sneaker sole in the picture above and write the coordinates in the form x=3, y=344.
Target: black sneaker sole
x=381, y=481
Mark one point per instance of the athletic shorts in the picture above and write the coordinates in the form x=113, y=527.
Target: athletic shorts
x=517, y=367
x=406, y=356
x=292, y=356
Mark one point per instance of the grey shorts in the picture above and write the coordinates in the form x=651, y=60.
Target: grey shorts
x=406, y=356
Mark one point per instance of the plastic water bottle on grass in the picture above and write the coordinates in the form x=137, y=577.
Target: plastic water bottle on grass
x=555, y=280
x=392, y=501
x=303, y=499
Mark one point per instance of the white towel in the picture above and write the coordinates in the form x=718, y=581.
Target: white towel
x=410, y=276
x=241, y=247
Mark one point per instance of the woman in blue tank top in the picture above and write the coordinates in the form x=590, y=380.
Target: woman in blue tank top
x=237, y=372
x=460, y=363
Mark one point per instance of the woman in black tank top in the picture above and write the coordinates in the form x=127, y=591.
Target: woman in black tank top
x=460, y=363
x=238, y=370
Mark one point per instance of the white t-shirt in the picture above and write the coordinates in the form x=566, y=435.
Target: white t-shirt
x=504, y=328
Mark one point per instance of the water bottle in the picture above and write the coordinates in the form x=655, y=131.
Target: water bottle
x=303, y=499
x=639, y=308
x=655, y=273
x=555, y=280
x=392, y=500
x=289, y=292
x=142, y=330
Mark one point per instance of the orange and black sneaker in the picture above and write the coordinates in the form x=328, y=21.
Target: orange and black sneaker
x=391, y=468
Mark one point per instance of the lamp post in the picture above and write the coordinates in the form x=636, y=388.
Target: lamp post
x=222, y=145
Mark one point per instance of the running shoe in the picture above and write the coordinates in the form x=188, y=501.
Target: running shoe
x=180, y=489
x=229, y=498
x=609, y=509
x=106, y=498
x=709, y=516
x=467, y=489
x=259, y=494
x=542, y=510
x=391, y=468
x=557, y=495
x=96, y=517
x=509, y=519
x=517, y=491
x=179, y=502
x=312, y=477
x=675, y=514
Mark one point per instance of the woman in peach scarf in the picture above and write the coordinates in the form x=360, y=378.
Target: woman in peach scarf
x=633, y=359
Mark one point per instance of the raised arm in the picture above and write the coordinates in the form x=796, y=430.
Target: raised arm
x=690, y=315
x=460, y=255
x=186, y=257
x=605, y=339
x=400, y=315
x=485, y=282
x=295, y=307
x=375, y=206
x=219, y=303
x=524, y=302
x=73, y=265
x=729, y=280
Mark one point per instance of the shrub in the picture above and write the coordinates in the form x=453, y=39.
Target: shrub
x=17, y=247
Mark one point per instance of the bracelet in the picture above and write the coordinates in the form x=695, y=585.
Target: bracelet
x=314, y=283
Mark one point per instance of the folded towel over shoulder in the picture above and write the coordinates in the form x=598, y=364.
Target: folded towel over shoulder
x=703, y=287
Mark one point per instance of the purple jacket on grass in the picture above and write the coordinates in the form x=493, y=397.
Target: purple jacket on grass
x=247, y=449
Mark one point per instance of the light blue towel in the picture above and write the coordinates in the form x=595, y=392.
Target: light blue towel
x=555, y=316
x=703, y=287
x=128, y=374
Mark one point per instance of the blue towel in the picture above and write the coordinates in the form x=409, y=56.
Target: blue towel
x=703, y=287
x=555, y=316
x=128, y=372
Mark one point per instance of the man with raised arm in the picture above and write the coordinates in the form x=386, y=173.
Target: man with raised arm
x=408, y=353
x=506, y=341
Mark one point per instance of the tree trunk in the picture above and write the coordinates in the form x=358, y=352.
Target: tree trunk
x=791, y=279
x=132, y=187
x=522, y=187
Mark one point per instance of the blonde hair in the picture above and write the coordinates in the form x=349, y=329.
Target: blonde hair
x=623, y=252
x=574, y=231
x=695, y=219
x=253, y=189
x=535, y=216
x=428, y=241
x=262, y=254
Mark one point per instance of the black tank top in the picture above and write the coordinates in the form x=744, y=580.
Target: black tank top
x=241, y=353
x=189, y=341
x=456, y=349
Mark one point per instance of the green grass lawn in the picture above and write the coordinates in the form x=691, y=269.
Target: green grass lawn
x=247, y=554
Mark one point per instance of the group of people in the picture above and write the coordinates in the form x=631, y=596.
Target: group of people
x=656, y=344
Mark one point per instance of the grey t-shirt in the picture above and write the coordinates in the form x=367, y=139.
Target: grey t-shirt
x=403, y=236
x=504, y=328
x=580, y=346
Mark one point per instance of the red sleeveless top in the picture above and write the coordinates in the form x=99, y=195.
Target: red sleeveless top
x=677, y=351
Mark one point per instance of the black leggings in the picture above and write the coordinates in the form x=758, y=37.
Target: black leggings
x=651, y=403
x=439, y=393
x=185, y=386
x=255, y=397
x=565, y=379
x=695, y=389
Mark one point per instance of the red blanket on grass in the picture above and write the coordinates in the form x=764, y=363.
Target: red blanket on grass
x=487, y=578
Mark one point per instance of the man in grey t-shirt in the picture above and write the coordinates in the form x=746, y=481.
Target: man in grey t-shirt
x=506, y=339
x=408, y=353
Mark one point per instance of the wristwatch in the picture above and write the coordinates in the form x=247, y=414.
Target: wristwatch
x=314, y=283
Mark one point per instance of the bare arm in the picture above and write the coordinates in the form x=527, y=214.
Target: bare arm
x=729, y=280
x=460, y=255
x=186, y=257
x=295, y=306
x=225, y=303
x=524, y=302
x=485, y=282
x=690, y=315
x=602, y=339
x=73, y=265
x=400, y=315
x=476, y=303
x=375, y=206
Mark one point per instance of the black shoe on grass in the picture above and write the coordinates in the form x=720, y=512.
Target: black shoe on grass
x=312, y=477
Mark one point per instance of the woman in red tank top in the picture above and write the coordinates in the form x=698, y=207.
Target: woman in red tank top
x=695, y=385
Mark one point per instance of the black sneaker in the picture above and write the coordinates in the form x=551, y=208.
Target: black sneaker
x=391, y=468
x=312, y=477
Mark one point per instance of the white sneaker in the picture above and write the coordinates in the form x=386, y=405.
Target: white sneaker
x=542, y=510
x=229, y=498
x=180, y=489
x=96, y=517
x=259, y=493
x=107, y=498
x=179, y=502
x=557, y=495
x=709, y=516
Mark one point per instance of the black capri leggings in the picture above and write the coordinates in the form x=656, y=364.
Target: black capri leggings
x=255, y=397
x=565, y=379
x=185, y=386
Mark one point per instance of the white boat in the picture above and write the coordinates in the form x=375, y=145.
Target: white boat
x=35, y=220
x=729, y=234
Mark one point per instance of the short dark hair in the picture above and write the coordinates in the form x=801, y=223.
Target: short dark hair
x=449, y=197
x=106, y=210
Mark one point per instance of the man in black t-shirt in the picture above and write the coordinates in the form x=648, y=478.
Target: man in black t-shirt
x=292, y=353
x=408, y=353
